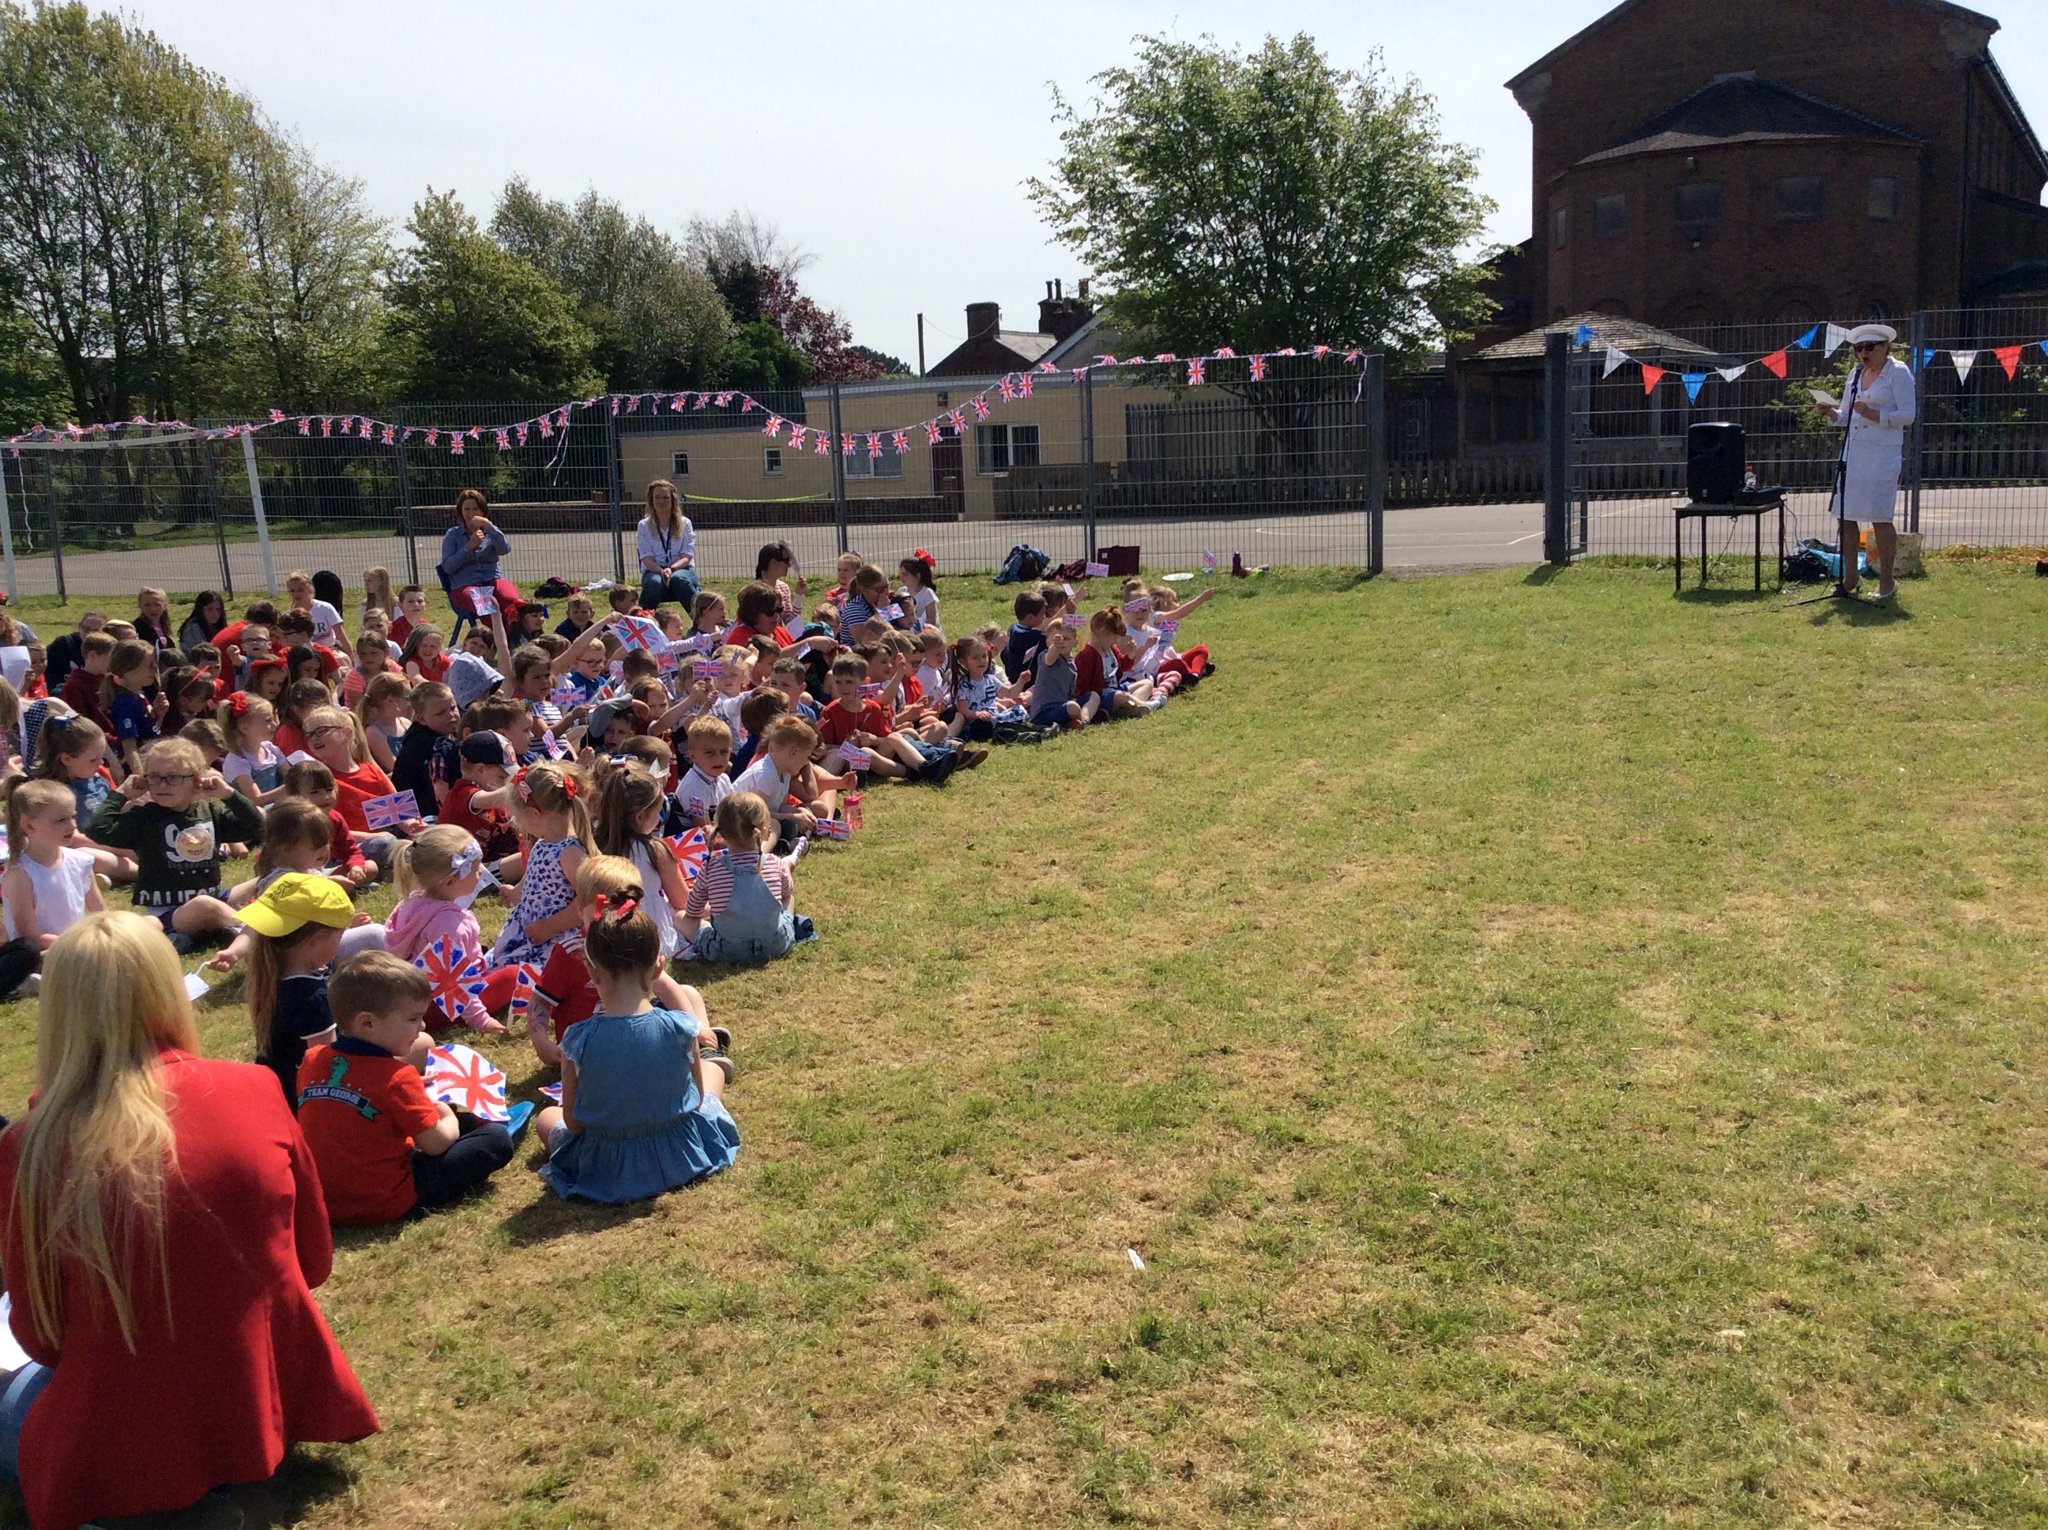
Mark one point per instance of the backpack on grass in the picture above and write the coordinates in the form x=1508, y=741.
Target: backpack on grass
x=1024, y=563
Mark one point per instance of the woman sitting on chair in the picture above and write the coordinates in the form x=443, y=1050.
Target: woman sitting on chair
x=667, y=548
x=469, y=556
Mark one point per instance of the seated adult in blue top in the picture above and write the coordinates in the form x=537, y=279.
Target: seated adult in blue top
x=470, y=553
x=667, y=548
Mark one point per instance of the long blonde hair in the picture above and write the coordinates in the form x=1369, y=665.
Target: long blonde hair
x=377, y=590
x=97, y=1144
x=428, y=859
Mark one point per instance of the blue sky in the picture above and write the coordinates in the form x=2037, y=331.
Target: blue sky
x=890, y=140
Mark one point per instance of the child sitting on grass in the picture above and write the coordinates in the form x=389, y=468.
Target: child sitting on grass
x=384, y=1149
x=438, y=874
x=739, y=907
x=297, y=925
x=176, y=832
x=549, y=803
x=642, y=1111
x=49, y=885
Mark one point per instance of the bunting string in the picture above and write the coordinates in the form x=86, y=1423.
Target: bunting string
x=1828, y=338
x=456, y=440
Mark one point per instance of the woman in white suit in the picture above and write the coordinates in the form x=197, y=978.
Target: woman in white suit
x=1877, y=409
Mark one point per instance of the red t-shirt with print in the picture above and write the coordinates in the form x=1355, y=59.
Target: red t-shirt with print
x=360, y=1109
x=836, y=724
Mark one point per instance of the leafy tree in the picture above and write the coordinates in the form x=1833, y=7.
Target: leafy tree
x=314, y=312
x=115, y=187
x=656, y=315
x=763, y=362
x=1266, y=199
x=741, y=239
x=476, y=322
x=889, y=365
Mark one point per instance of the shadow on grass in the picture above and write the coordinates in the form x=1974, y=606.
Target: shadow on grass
x=1857, y=612
x=1543, y=573
x=550, y=1217
x=1727, y=597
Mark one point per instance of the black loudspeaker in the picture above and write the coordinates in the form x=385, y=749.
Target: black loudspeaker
x=1714, y=462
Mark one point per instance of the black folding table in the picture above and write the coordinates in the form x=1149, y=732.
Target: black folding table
x=1706, y=512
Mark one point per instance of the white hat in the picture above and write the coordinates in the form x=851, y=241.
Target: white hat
x=1864, y=334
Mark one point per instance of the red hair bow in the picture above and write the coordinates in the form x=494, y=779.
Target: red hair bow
x=238, y=703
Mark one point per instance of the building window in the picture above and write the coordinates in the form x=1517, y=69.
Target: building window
x=771, y=461
x=1561, y=227
x=1799, y=198
x=1610, y=216
x=679, y=464
x=1884, y=197
x=1699, y=202
x=998, y=448
x=861, y=465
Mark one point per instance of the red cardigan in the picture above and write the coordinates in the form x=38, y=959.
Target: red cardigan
x=248, y=1369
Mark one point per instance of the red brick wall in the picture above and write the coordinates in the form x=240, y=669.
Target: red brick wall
x=1901, y=61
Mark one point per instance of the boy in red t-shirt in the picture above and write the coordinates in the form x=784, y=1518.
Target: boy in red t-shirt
x=486, y=767
x=383, y=1148
x=864, y=722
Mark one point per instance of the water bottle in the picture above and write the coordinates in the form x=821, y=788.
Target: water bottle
x=1749, y=477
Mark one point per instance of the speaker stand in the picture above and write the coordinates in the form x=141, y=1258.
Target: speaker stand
x=1838, y=501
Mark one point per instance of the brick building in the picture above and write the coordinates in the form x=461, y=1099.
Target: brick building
x=990, y=350
x=1753, y=160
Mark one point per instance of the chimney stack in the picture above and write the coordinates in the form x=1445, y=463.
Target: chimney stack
x=983, y=320
x=1060, y=315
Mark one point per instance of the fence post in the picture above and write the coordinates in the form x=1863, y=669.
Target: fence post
x=256, y=510
x=56, y=520
x=404, y=487
x=1557, y=448
x=1376, y=464
x=7, y=528
x=220, y=532
x=838, y=473
x=1087, y=402
x=1915, y=433
x=611, y=475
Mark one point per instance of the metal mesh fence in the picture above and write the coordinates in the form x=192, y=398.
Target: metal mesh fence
x=1976, y=462
x=1285, y=470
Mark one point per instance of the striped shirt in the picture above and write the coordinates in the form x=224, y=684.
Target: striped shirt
x=711, y=893
x=852, y=614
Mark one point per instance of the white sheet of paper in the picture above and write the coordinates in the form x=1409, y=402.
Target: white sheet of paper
x=1824, y=398
x=14, y=665
x=196, y=987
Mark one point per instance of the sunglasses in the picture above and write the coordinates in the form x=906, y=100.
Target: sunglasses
x=1869, y=345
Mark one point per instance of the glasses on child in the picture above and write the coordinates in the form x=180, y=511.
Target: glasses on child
x=323, y=732
x=162, y=778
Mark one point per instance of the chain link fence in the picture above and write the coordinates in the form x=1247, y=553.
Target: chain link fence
x=1286, y=470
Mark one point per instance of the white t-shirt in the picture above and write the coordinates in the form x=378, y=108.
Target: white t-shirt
x=700, y=794
x=325, y=621
x=938, y=690
x=924, y=610
x=59, y=893
x=762, y=776
x=265, y=769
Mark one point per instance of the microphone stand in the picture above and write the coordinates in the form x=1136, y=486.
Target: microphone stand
x=1838, y=501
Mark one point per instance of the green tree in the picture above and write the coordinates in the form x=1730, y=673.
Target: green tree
x=762, y=361
x=1267, y=199
x=474, y=321
x=657, y=318
x=115, y=196
x=313, y=331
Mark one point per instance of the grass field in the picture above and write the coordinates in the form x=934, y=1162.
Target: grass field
x=1565, y=1055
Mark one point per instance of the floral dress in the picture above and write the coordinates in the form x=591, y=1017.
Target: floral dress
x=543, y=893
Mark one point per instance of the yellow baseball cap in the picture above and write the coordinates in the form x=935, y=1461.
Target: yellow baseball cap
x=297, y=899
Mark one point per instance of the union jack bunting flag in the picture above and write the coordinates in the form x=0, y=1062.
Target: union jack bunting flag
x=632, y=402
x=455, y=444
x=931, y=432
x=821, y=444
x=1198, y=372
x=747, y=404
x=1047, y=366
x=1224, y=353
x=723, y=400
x=690, y=850
x=774, y=426
x=455, y=982
x=518, y=432
x=981, y=406
x=276, y=415
x=1024, y=386
x=615, y=403
x=957, y=418
x=363, y=429
x=846, y=446
x=796, y=436
x=433, y=438
x=675, y=405
x=326, y=425
x=1320, y=351
x=504, y=439
x=543, y=427
x=391, y=437
x=1008, y=390
x=702, y=400
x=465, y=1080
x=305, y=426
x=874, y=444
x=1258, y=369
x=900, y=441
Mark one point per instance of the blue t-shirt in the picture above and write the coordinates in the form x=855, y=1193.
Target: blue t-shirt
x=131, y=718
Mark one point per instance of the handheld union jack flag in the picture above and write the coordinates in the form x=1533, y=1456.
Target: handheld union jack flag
x=900, y=443
x=833, y=828
x=524, y=977
x=455, y=980
x=465, y=1080
x=1198, y=372
x=690, y=850
x=1258, y=369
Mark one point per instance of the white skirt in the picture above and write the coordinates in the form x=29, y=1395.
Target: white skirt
x=1870, y=490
